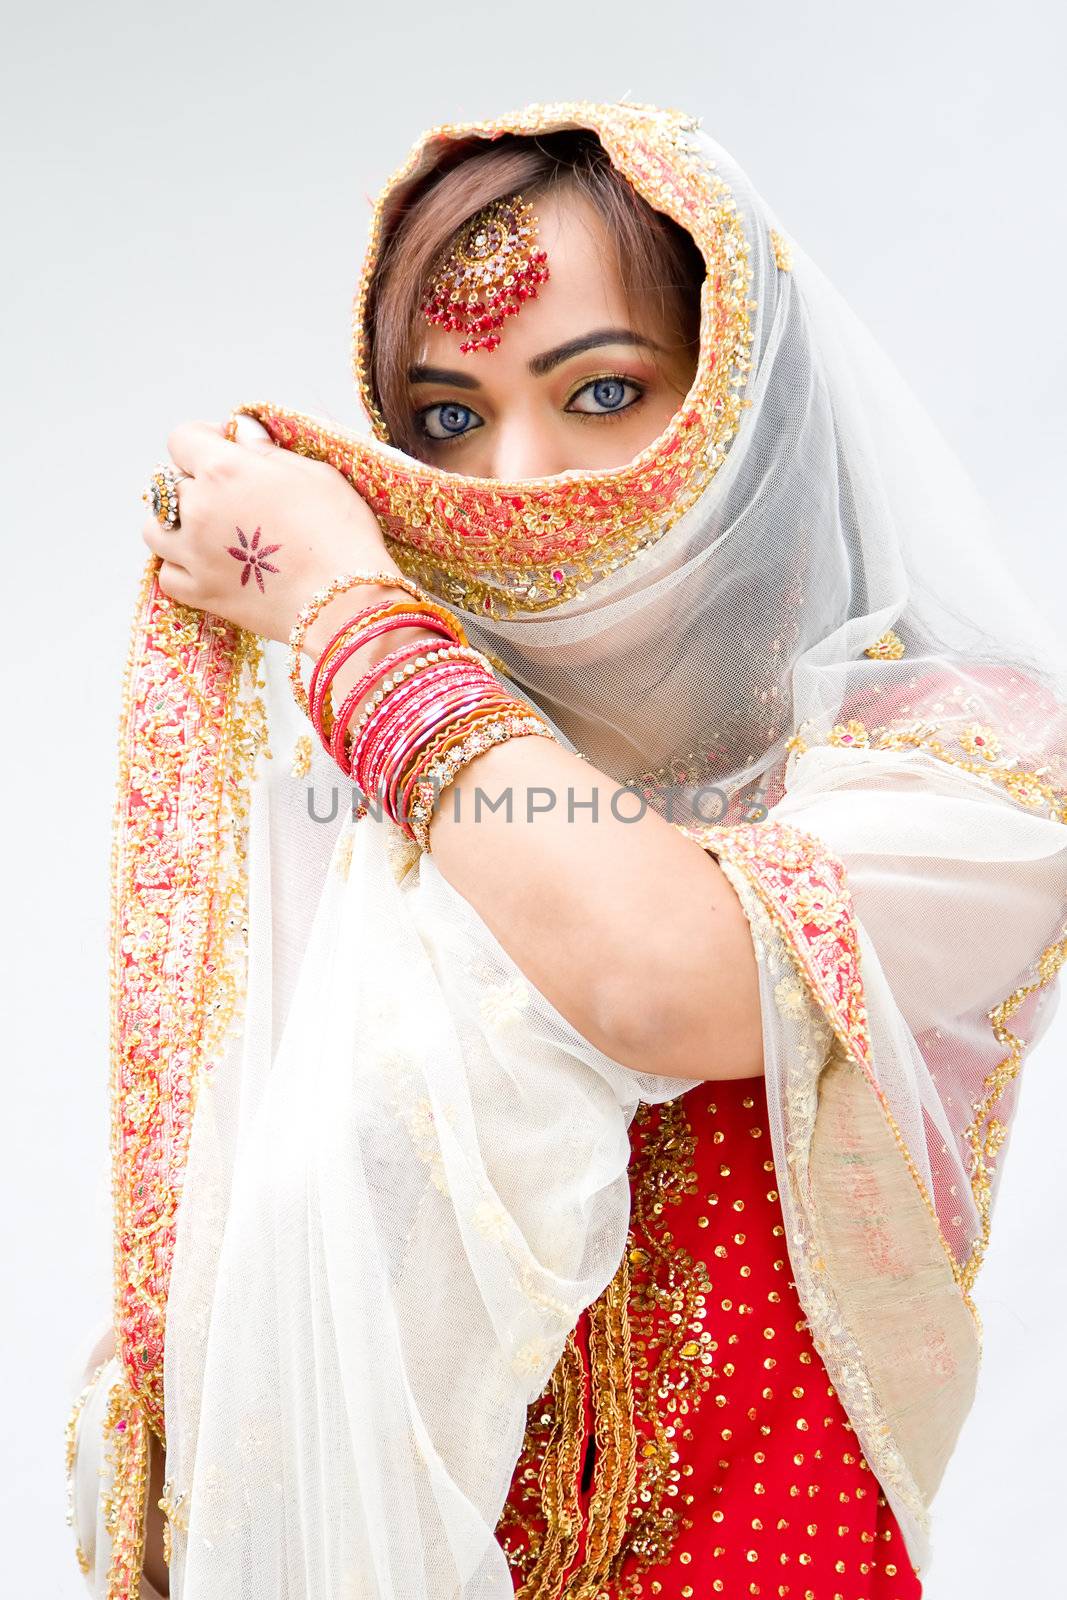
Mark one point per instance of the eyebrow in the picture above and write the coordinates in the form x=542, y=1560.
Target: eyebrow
x=541, y=364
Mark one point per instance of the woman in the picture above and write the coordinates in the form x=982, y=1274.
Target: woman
x=583, y=1197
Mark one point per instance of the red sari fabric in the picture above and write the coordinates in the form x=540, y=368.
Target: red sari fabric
x=690, y=1443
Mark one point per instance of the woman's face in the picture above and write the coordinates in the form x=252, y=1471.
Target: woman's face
x=576, y=381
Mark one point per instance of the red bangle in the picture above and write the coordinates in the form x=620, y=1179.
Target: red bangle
x=471, y=702
x=402, y=707
x=358, y=693
x=403, y=723
x=440, y=741
x=340, y=747
x=319, y=693
x=352, y=622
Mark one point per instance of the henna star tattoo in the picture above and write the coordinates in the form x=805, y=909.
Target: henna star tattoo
x=253, y=558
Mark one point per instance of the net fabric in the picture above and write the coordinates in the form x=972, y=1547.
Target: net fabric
x=429, y=1165
x=407, y=1173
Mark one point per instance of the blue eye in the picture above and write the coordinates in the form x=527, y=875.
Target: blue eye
x=607, y=395
x=448, y=420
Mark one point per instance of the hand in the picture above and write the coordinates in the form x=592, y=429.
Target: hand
x=261, y=529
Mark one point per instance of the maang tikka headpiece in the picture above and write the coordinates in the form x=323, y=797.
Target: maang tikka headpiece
x=490, y=272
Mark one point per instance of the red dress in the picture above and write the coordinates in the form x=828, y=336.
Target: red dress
x=689, y=1443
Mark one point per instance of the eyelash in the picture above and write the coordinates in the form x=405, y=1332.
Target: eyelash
x=607, y=377
x=583, y=416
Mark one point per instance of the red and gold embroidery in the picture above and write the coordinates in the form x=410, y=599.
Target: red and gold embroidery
x=650, y=1364
x=127, y=1456
x=672, y=1347
x=549, y=1469
x=615, y=1437
x=689, y=1513
x=804, y=888
x=188, y=744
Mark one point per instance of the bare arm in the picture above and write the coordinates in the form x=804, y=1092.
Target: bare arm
x=631, y=930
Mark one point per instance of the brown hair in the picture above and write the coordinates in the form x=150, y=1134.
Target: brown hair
x=659, y=262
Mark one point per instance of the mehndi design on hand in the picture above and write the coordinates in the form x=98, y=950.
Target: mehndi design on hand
x=253, y=558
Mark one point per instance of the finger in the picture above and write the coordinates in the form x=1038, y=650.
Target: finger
x=162, y=542
x=175, y=582
x=251, y=433
x=198, y=446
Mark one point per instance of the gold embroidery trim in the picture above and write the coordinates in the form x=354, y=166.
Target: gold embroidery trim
x=178, y=920
x=814, y=1048
x=495, y=547
x=615, y=1471
x=986, y=1134
x=783, y=254
x=647, y=144
x=70, y=1458
x=724, y=840
x=126, y=1453
x=980, y=746
x=650, y=1356
x=671, y=1348
x=979, y=753
x=559, y=1479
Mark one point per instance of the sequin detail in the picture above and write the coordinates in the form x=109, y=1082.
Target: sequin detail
x=805, y=887
x=748, y=1479
x=890, y=647
x=783, y=252
x=70, y=1455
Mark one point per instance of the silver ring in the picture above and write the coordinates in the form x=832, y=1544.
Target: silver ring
x=162, y=495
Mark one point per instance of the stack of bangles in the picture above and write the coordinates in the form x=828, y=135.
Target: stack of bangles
x=436, y=708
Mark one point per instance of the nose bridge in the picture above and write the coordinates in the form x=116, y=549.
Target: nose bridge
x=525, y=444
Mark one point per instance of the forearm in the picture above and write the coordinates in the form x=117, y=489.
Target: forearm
x=631, y=930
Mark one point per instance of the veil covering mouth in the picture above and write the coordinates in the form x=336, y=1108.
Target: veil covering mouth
x=366, y=1176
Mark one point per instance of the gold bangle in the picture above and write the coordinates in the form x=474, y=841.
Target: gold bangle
x=339, y=585
x=398, y=675
x=494, y=731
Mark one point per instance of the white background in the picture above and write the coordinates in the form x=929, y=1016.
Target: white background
x=185, y=218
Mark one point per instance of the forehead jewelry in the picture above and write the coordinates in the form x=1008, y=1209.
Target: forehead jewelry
x=492, y=268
